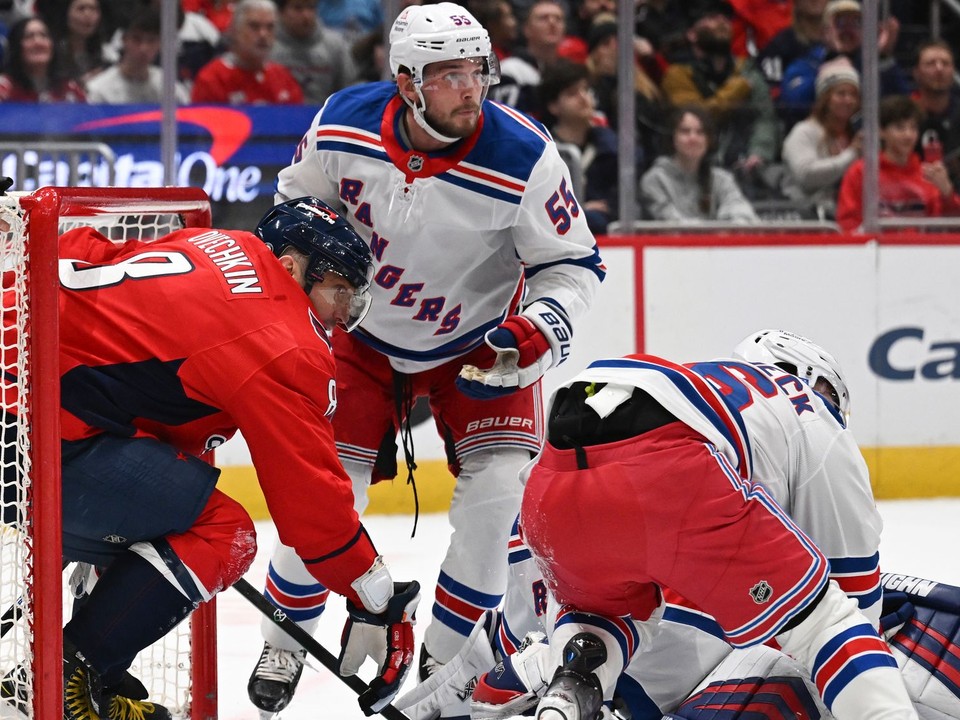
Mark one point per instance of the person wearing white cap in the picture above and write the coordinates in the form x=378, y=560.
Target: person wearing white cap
x=819, y=149
x=843, y=36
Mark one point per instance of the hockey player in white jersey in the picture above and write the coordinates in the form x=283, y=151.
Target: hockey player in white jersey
x=813, y=469
x=483, y=261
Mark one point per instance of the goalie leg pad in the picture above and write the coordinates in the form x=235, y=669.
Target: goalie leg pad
x=446, y=693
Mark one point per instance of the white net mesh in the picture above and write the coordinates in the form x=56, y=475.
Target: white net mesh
x=164, y=668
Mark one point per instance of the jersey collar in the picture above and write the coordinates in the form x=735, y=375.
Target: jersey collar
x=414, y=163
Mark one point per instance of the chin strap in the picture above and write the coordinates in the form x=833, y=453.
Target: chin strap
x=418, y=117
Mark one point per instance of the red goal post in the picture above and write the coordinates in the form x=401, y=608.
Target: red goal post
x=180, y=672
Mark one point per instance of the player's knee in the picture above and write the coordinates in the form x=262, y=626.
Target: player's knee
x=233, y=540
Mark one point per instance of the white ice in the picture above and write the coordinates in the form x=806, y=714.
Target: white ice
x=920, y=538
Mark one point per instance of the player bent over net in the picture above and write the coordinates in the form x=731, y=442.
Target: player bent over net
x=145, y=395
x=633, y=426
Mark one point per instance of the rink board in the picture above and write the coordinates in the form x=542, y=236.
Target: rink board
x=889, y=311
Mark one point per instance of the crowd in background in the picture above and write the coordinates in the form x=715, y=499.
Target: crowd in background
x=745, y=109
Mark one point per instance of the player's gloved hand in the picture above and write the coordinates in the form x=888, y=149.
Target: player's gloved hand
x=387, y=638
x=515, y=685
x=446, y=693
x=527, y=346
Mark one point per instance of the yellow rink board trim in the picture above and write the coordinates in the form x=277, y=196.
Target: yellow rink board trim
x=904, y=472
x=914, y=472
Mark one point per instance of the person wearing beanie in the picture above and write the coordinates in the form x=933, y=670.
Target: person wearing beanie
x=819, y=149
x=908, y=187
x=843, y=36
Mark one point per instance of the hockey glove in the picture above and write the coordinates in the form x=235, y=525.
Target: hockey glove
x=527, y=346
x=385, y=637
x=446, y=693
x=515, y=685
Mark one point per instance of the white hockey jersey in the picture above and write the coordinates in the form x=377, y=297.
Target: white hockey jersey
x=777, y=432
x=459, y=238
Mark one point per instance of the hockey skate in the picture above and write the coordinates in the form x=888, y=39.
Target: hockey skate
x=274, y=679
x=85, y=697
x=575, y=692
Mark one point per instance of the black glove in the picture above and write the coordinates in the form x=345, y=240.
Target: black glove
x=387, y=637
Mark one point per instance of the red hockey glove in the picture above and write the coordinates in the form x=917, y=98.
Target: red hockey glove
x=386, y=637
x=527, y=346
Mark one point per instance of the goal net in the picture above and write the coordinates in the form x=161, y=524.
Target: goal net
x=36, y=595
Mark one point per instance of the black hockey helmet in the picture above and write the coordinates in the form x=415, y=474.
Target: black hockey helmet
x=320, y=232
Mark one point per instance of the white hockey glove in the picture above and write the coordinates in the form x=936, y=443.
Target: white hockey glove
x=515, y=685
x=447, y=692
x=387, y=638
x=527, y=346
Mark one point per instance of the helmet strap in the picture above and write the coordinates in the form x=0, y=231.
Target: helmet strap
x=418, y=108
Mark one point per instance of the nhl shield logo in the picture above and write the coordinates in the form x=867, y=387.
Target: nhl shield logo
x=761, y=592
x=415, y=163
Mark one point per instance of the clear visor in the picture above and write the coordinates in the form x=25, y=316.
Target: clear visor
x=461, y=74
x=349, y=306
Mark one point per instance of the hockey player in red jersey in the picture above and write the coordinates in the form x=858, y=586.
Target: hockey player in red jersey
x=167, y=349
x=484, y=260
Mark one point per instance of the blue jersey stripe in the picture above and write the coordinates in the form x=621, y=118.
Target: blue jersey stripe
x=480, y=188
x=851, y=565
x=682, y=616
x=592, y=263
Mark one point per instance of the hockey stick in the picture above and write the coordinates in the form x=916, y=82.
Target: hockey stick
x=11, y=616
x=306, y=640
x=15, y=611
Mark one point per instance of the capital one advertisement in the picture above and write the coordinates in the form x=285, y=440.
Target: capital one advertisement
x=889, y=312
x=233, y=153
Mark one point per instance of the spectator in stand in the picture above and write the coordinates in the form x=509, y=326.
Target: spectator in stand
x=819, y=149
x=575, y=45
x=498, y=18
x=198, y=40
x=370, y=56
x=32, y=71
x=353, y=17
x=684, y=186
x=843, y=35
x=245, y=74
x=651, y=105
x=793, y=42
x=908, y=187
x=317, y=56
x=937, y=96
x=135, y=78
x=588, y=149
x=77, y=29
x=732, y=89
x=219, y=12
x=663, y=23
x=543, y=30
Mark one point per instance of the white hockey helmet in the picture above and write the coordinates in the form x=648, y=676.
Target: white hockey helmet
x=424, y=34
x=800, y=356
